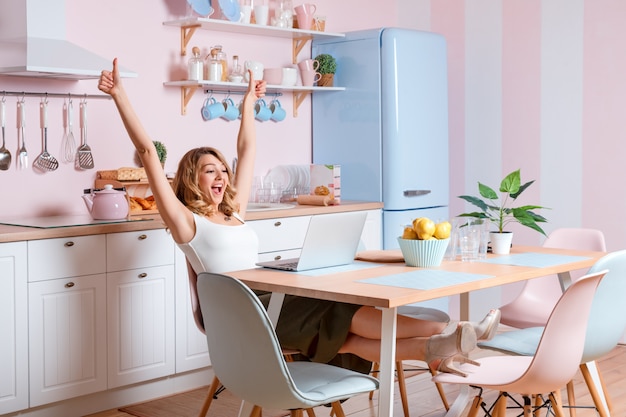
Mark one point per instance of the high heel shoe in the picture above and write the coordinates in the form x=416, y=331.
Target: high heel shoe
x=443, y=349
x=486, y=329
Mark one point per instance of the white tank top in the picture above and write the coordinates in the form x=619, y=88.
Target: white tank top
x=219, y=249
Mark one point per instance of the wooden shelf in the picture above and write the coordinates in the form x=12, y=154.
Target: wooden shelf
x=188, y=89
x=299, y=37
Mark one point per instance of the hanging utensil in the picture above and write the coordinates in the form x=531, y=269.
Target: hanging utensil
x=22, y=161
x=45, y=161
x=84, y=158
x=5, y=155
x=70, y=144
x=64, y=156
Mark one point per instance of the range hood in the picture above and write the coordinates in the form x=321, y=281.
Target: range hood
x=33, y=43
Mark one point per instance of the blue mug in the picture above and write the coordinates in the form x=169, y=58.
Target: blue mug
x=231, y=111
x=212, y=109
x=262, y=112
x=278, y=113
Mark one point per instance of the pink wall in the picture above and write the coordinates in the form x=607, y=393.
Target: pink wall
x=535, y=85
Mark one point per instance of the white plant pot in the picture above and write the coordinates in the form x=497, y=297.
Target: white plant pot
x=501, y=242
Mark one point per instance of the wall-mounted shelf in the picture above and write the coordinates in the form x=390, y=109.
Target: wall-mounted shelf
x=299, y=36
x=188, y=88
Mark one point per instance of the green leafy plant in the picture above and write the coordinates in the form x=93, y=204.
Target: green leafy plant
x=161, y=150
x=496, y=208
x=328, y=64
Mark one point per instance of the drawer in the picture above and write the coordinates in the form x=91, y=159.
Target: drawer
x=140, y=249
x=281, y=233
x=66, y=257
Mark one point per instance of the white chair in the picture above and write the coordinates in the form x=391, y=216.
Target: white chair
x=248, y=360
x=554, y=364
x=535, y=302
x=607, y=323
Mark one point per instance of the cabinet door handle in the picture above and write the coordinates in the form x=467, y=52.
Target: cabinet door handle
x=415, y=193
x=277, y=224
x=69, y=285
x=69, y=244
x=277, y=258
x=142, y=237
x=142, y=275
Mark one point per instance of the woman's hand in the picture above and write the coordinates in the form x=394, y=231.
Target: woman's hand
x=256, y=88
x=110, y=80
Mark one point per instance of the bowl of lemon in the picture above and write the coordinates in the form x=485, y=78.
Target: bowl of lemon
x=424, y=242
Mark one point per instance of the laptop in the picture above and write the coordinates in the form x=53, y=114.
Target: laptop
x=331, y=240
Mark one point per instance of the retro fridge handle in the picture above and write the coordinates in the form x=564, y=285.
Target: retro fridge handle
x=415, y=193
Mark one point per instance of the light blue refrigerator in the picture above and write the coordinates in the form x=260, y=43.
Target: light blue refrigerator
x=389, y=128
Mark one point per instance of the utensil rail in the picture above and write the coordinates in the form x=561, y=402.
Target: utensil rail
x=59, y=95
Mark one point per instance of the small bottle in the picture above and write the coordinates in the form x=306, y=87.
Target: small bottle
x=215, y=67
x=235, y=70
x=196, y=67
x=221, y=57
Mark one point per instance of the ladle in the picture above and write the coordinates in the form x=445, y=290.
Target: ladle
x=5, y=155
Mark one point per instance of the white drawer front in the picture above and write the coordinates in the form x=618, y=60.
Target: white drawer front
x=146, y=248
x=277, y=256
x=280, y=234
x=66, y=257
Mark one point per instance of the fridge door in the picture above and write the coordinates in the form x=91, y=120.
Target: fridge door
x=388, y=129
x=415, y=119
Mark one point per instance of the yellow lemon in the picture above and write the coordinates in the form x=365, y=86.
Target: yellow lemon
x=409, y=233
x=415, y=222
x=425, y=228
x=442, y=230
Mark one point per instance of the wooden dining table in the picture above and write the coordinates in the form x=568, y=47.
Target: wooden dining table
x=388, y=286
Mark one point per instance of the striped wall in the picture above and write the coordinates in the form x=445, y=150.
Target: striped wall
x=538, y=85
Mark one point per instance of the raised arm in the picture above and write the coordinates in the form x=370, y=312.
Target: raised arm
x=175, y=215
x=246, y=143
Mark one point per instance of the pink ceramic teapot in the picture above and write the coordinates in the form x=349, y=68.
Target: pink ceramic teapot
x=106, y=204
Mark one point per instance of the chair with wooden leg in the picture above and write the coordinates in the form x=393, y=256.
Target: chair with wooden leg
x=249, y=362
x=554, y=364
x=607, y=323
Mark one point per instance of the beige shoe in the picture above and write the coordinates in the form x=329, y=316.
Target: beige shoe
x=487, y=328
x=443, y=349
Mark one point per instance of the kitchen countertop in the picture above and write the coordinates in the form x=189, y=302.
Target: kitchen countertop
x=150, y=222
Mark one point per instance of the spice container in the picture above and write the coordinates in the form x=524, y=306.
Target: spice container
x=196, y=66
x=215, y=67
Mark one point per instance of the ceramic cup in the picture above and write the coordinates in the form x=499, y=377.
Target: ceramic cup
x=212, y=109
x=304, y=15
x=309, y=77
x=278, y=113
x=246, y=13
x=231, y=111
x=262, y=112
x=257, y=70
x=290, y=76
x=308, y=65
x=261, y=14
x=273, y=76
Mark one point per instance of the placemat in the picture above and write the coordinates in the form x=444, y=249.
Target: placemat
x=425, y=279
x=532, y=259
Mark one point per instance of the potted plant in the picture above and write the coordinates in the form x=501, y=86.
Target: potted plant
x=497, y=209
x=327, y=68
x=161, y=151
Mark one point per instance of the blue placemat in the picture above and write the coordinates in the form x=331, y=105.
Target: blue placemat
x=537, y=260
x=425, y=279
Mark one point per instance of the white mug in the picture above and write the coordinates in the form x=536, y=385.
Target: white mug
x=257, y=70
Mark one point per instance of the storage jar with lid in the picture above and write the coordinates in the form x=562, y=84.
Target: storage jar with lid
x=196, y=66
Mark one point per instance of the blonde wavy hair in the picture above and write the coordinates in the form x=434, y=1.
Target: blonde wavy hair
x=186, y=184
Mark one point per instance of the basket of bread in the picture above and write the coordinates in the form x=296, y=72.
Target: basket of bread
x=424, y=242
x=140, y=205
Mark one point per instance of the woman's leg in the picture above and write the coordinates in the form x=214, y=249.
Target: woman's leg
x=366, y=322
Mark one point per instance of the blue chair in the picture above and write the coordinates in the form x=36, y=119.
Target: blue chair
x=248, y=360
x=607, y=323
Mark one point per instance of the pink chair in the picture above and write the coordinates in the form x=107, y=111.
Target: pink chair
x=554, y=364
x=533, y=305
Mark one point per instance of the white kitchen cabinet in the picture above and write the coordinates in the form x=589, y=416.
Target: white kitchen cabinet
x=280, y=238
x=140, y=300
x=140, y=320
x=67, y=331
x=66, y=257
x=13, y=328
x=299, y=38
x=192, y=351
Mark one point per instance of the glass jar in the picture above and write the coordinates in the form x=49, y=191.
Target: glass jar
x=215, y=67
x=222, y=58
x=196, y=66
